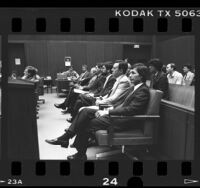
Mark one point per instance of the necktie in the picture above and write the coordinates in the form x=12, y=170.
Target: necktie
x=106, y=81
x=114, y=88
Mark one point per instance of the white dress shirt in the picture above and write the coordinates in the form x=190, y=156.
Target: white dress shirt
x=175, y=78
x=187, y=79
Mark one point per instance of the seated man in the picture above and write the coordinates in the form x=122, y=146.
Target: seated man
x=71, y=74
x=119, y=88
x=83, y=79
x=121, y=85
x=173, y=76
x=189, y=76
x=93, y=75
x=88, y=120
x=159, y=79
x=30, y=72
x=98, y=83
x=90, y=98
x=95, y=85
x=128, y=70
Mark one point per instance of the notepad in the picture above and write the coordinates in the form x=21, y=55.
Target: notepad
x=80, y=91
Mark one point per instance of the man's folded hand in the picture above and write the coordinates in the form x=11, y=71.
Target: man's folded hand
x=100, y=113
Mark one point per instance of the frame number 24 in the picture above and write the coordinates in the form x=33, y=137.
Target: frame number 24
x=110, y=182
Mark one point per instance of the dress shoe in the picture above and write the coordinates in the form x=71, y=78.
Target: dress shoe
x=65, y=111
x=60, y=106
x=91, y=143
x=58, y=142
x=69, y=120
x=77, y=156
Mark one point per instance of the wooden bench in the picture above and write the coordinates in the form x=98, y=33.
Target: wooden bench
x=183, y=95
x=176, y=130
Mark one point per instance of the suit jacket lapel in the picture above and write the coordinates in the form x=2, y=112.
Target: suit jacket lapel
x=107, y=81
x=115, y=86
x=131, y=94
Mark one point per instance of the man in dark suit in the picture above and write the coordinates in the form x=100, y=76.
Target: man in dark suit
x=159, y=79
x=84, y=77
x=90, y=99
x=90, y=120
x=94, y=85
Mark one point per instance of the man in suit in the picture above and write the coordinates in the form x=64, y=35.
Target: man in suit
x=159, y=79
x=89, y=99
x=71, y=73
x=189, y=76
x=71, y=96
x=173, y=76
x=89, y=120
x=83, y=78
x=97, y=86
x=120, y=86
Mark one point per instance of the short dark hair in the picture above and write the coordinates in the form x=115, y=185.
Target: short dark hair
x=143, y=71
x=156, y=63
x=164, y=69
x=99, y=65
x=122, y=65
x=84, y=65
x=188, y=66
x=173, y=65
x=108, y=65
x=32, y=72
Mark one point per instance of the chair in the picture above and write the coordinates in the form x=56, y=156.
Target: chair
x=48, y=83
x=136, y=138
x=41, y=89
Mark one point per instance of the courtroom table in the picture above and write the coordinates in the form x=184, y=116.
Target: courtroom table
x=22, y=134
x=62, y=84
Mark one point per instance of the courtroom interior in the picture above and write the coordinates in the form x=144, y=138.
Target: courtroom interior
x=100, y=97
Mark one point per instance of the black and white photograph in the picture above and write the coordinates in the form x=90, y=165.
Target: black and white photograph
x=101, y=97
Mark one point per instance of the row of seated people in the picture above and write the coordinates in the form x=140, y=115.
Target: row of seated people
x=99, y=86
x=126, y=96
x=30, y=74
x=175, y=77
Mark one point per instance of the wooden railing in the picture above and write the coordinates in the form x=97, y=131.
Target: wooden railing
x=176, y=129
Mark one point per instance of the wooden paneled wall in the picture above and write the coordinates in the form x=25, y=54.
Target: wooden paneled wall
x=179, y=50
x=48, y=56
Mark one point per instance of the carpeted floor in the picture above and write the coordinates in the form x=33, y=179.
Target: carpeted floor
x=51, y=124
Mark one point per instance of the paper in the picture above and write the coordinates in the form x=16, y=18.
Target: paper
x=17, y=61
x=80, y=91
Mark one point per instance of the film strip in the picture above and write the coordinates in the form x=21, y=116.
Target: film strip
x=84, y=24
